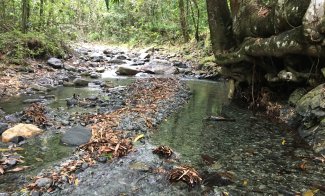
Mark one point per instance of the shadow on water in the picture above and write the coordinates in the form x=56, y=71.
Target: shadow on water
x=252, y=148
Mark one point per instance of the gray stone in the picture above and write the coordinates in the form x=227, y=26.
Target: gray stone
x=39, y=88
x=76, y=136
x=179, y=64
x=116, y=61
x=55, y=63
x=70, y=68
x=158, y=66
x=44, y=182
x=144, y=56
x=85, y=73
x=102, y=159
x=94, y=75
x=100, y=69
x=96, y=57
x=139, y=166
x=80, y=82
x=121, y=57
x=67, y=84
x=3, y=127
x=126, y=71
x=35, y=193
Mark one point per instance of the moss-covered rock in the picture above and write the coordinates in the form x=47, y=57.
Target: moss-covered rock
x=313, y=103
x=296, y=96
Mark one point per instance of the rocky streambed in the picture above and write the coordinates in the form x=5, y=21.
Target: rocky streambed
x=109, y=101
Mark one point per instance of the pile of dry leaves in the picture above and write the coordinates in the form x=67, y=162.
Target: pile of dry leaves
x=143, y=98
x=186, y=174
x=36, y=112
x=9, y=163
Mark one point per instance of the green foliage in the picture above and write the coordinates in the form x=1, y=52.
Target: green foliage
x=135, y=22
x=17, y=46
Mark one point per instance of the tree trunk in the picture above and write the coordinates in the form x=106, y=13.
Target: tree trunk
x=255, y=19
x=220, y=25
x=25, y=15
x=41, y=14
x=196, y=21
x=183, y=21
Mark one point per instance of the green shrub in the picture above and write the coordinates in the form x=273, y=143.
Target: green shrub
x=16, y=46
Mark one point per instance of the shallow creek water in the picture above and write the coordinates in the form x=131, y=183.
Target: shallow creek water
x=262, y=157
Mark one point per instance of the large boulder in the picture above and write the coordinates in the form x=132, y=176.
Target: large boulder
x=126, y=71
x=162, y=67
x=24, y=130
x=312, y=108
x=76, y=136
x=55, y=63
x=80, y=82
x=313, y=103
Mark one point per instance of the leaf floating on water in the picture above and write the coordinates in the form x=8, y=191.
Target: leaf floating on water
x=18, y=169
x=2, y=171
x=225, y=193
x=11, y=149
x=39, y=159
x=138, y=137
x=310, y=192
x=76, y=182
x=245, y=182
x=283, y=142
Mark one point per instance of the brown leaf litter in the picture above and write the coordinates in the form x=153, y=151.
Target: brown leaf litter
x=143, y=98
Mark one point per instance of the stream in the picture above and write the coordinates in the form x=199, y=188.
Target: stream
x=260, y=156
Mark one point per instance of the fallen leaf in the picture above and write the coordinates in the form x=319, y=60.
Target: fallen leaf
x=138, y=137
x=245, y=182
x=11, y=149
x=76, y=181
x=18, y=169
x=283, y=142
x=2, y=171
x=310, y=192
x=39, y=159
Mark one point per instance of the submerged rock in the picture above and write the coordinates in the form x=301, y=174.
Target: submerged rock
x=24, y=130
x=76, y=136
x=55, y=63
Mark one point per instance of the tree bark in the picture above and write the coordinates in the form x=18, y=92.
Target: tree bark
x=220, y=25
x=183, y=21
x=41, y=14
x=25, y=15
